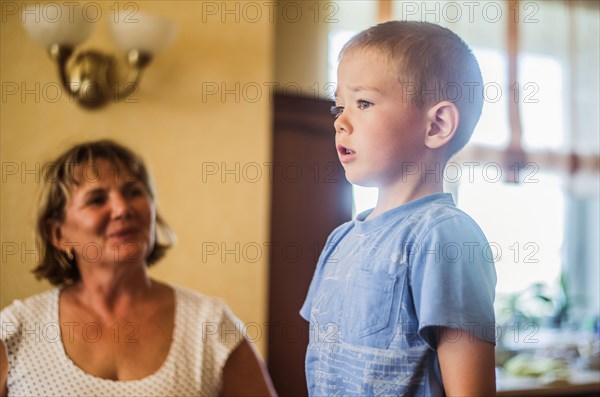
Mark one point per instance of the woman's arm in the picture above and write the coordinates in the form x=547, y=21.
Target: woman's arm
x=467, y=364
x=3, y=370
x=245, y=374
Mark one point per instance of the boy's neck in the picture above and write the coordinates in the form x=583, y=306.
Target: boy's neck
x=404, y=191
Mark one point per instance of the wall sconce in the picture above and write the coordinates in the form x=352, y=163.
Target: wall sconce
x=92, y=77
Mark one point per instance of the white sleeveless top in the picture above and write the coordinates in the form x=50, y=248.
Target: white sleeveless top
x=205, y=334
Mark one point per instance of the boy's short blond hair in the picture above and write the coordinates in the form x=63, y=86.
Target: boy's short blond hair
x=433, y=65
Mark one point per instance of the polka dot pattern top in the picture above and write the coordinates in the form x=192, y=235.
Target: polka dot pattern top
x=205, y=334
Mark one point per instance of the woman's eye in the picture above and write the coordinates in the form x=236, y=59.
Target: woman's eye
x=336, y=111
x=134, y=191
x=364, y=104
x=98, y=200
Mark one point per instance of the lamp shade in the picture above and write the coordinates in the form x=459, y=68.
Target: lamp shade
x=52, y=23
x=144, y=32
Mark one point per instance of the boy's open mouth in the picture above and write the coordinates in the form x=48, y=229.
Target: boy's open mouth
x=344, y=151
x=346, y=155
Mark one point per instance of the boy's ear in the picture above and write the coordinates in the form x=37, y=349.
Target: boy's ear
x=442, y=122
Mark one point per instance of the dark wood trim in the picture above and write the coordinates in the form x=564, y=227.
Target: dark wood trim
x=384, y=10
x=304, y=210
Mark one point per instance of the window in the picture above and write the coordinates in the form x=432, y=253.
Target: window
x=545, y=228
x=524, y=224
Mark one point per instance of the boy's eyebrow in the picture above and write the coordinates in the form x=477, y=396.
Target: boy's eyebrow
x=357, y=88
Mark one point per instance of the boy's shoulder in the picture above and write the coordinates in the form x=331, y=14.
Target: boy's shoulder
x=435, y=216
x=430, y=212
x=448, y=231
x=445, y=215
x=340, y=231
x=439, y=211
x=431, y=218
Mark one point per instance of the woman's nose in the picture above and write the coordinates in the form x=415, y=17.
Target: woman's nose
x=121, y=207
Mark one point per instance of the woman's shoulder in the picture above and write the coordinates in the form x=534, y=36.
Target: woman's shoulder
x=191, y=295
x=33, y=305
x=34, y=311
x=203, y=304
x=206, y=317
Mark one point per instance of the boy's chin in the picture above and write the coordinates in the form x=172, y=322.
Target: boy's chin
x=362, y=182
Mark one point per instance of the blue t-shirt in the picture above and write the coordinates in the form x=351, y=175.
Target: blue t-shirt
x=380, y=287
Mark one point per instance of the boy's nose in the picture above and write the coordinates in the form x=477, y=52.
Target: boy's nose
x=341, y=124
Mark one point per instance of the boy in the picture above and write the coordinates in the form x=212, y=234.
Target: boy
x=401, y=302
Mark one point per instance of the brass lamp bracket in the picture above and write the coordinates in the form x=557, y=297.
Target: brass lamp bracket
x=92, y=77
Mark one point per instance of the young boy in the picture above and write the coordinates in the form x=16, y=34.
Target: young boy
x=401, y=303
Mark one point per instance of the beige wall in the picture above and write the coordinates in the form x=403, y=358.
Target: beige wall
x=175, y=129
x=301, y=46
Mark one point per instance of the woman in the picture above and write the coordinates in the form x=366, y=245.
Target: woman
x=108, y=328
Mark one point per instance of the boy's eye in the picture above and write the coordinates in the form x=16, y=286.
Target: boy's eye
x=362, y=104
x=336, y=111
